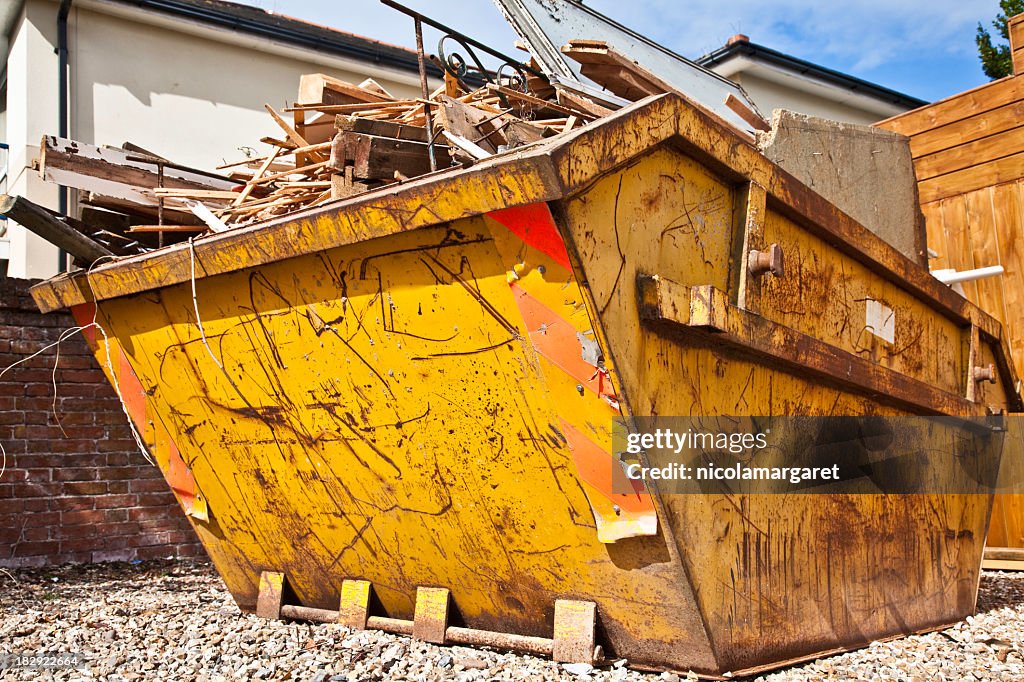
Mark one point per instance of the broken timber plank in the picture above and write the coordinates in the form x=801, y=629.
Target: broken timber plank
x=538, y=103
x=174, y=214
x=318, y=88
x=118, y=174
x=293, y=135
x=43, y=223
x=586, y=105
x=375, y=87
x=746, y=113
x=378, y=158
x=471, y=124
x=169, y=228
x=596, y=53
x=368, y=126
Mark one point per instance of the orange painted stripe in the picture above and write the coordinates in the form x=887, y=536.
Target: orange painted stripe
x=179, y=476
x=132, y=393
x=84, y=314
x=535, y=226
x=597, y=467
x=555, y=338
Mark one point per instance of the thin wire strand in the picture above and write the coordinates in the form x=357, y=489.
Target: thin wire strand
x=63, y=337
x=117, y=390
x=195, y=304
x=53, y=380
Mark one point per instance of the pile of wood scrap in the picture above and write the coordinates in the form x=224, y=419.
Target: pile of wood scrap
x=339, y=139
x=345, y=139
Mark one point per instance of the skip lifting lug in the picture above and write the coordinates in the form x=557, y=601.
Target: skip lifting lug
x=761, y=262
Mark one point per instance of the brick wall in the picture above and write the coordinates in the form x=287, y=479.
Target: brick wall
x=85, y=494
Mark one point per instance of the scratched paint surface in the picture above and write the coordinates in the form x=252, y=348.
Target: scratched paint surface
x=388, y=410
x=825, y=295
x=776, y=577
x=382, y=414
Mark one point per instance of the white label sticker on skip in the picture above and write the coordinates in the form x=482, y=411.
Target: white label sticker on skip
x=880, y=320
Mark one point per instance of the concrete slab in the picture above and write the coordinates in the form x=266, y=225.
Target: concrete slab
x=867, y=172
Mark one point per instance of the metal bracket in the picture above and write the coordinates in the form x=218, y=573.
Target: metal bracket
x=271, y=596
x=575, y=631
x=354, y=605
x=985, y=373
x=431, y=619
x=575, y=628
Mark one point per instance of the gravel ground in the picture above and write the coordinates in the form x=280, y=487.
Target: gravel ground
x=170, y=620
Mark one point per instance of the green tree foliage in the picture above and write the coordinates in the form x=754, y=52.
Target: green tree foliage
x=996, y=61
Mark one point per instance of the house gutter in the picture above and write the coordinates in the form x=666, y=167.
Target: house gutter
x=62, y=108
x=401, y=60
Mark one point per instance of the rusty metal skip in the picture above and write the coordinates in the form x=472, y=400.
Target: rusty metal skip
x=414, y=389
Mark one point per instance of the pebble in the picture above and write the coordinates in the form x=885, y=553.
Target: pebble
x=578, y=669
x=168, y=620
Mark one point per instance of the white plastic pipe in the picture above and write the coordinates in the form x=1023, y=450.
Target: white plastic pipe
x=954, y=277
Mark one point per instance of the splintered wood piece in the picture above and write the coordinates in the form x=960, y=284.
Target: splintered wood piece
x=519, y=133
x=243, y=162
x=475, y=151
x=596, y=53
x=294, y=171
x=271, y=595
x=536, y=102
x=116, y=173
x=746, y=113
x=620, y=80
x=274, y=142
x=355, y=107
x=354, y=605
x=580, y=103
x=244, y=194
x=470, y=123
x=175, y=215
x=48, y=226
x=614, y=70
x=373, y=86
x=431, y=615
x=344, y=185
x=451, y=85
x=575, y=631
x=322, y=198
x=293, y=135
x=168, y=228
x=195, y=193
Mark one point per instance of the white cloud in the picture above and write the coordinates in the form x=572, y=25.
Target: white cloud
x=860, y=34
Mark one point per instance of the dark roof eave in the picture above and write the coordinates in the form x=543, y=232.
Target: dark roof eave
x=257, y=22
x=768, y=55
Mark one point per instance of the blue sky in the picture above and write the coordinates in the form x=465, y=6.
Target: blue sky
x=923, y=48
